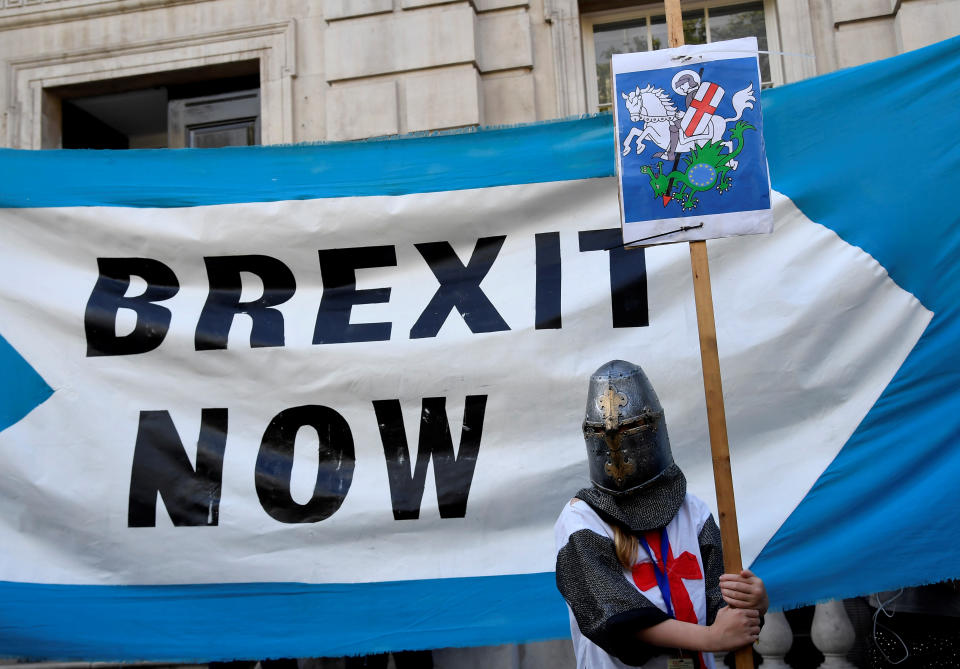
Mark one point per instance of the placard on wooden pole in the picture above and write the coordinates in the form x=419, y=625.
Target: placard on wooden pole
x=712, y=386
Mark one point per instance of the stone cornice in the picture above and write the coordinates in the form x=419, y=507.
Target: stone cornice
x=25, y=13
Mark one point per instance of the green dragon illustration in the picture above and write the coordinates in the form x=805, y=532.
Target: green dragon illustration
x=706, y=167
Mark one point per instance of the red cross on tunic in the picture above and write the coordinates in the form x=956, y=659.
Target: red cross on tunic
x=683, y=566
x=702, y=106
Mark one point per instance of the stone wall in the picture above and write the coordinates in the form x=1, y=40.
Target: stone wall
x=330, y=70
x=427, y=65
x=867, y=30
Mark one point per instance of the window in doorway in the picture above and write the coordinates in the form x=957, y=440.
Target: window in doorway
x=625, y=31
x=211, y=121
x=203, y=107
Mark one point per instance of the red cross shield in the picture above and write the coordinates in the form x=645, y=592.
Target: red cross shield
x=701, y=109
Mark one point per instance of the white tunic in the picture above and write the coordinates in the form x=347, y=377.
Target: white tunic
x=683, y=534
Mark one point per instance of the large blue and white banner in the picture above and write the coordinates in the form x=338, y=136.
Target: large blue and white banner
x=325, y=400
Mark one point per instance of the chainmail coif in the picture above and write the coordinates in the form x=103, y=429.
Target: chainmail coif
x=649, y=507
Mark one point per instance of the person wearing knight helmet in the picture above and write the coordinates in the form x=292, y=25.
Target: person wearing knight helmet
x=639, y=560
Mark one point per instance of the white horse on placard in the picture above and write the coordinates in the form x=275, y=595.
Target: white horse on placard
x=661, y=122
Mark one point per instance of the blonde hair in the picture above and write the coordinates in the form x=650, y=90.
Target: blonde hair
x=626, y=546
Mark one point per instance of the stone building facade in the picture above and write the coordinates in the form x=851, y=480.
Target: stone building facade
x=328, y=70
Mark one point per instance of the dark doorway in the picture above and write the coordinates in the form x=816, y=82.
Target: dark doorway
x=200, y=107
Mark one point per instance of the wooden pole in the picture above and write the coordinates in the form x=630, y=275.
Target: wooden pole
x=712, y=386
x=716, y=417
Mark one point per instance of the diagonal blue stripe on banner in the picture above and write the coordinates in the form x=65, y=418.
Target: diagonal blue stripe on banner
x=21, y=388
x=182, y=623
x=862, y=152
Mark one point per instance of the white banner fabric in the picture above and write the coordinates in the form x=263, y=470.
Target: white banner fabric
x=794, y=390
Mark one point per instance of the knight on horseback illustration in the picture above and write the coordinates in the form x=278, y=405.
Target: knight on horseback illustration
x=676, y=131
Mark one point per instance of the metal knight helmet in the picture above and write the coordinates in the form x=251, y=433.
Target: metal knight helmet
x=627, y=442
